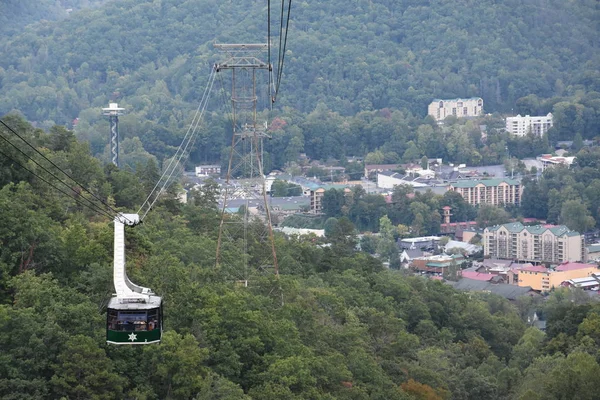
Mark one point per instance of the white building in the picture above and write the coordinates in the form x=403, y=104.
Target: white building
x=390, y=179
x=521, y=126
x=460, y=108
x=301, y=231
x=269, y=183
x=465, y=247
x=548, y=160
x=420, y=242
x=207, y=170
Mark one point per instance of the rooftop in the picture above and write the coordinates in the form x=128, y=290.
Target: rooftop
x=485, y=182
x=586, y=279
x=594, y=248
x=535, y=268
x=420, y=239
x=571, y=266
x=458, y=99
x=478, y=276
x=507, y=291
x=516, y=227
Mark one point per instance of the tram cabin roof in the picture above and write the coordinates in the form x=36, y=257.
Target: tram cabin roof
x=143, y=303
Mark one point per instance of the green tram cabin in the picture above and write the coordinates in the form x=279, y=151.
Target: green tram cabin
x=134, y=313
x=134, y=321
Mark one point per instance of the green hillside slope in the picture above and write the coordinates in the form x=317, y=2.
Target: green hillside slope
x=15, y=15
x=345, y=60
x=352, y=55
x=336, y=325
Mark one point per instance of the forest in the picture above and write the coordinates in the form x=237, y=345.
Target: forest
x=16, y=15
x=365, y=93
x=337, y=326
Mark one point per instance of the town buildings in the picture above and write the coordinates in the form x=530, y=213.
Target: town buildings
x=372, y=169
x=539, y=243
x=489, y=191
x=437, y=264
x=521, y=126
x=543, y=279
x=460, y=108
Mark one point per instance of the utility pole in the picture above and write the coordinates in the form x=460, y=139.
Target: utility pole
x=246, y=165
x=113, y=111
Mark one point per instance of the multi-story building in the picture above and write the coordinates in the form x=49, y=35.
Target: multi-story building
x=489, y=191
x=316, y=200
x=544, y=279
x=460, y=108
x=521, y=126
x=206, y=170
x=539, y=243
x=317, y=194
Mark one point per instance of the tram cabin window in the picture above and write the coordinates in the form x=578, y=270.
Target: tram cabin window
x=133, y=320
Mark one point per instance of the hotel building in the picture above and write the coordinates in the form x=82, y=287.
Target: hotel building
x=540, y=243
x=489, y=191
x=460, y=108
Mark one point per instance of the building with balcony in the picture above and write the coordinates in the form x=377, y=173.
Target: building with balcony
x=460, y=108
x=489, y=191
x=539, y=243
x=521, y=126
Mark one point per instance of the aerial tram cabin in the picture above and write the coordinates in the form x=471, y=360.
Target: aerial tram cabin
x=134, y=313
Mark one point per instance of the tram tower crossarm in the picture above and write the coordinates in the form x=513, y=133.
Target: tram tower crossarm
x=242, y=56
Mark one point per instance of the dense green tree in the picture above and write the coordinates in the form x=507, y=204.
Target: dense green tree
x=528, y=348
x=284, y=189
x=175, y=366
x=489, y=215
x=575, y=215
x=386, y=246
x=331, y=227
x=332, y=202
x=532, y=203
x=560, y=377
x=460, y=209
x=84, y=372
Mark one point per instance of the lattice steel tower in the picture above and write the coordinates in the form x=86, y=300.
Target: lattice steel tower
x=113, y=111
x=246, y=166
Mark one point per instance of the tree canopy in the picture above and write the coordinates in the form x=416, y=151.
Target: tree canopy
x=347, y=327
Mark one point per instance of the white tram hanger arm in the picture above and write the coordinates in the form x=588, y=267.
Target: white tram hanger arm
x=124, y=288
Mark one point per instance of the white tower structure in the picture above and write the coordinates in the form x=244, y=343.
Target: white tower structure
x=113, y=111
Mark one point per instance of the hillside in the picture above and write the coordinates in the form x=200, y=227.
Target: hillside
x=358, y=76
x=16, y=15
x=353, y=56
x=337, y=325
